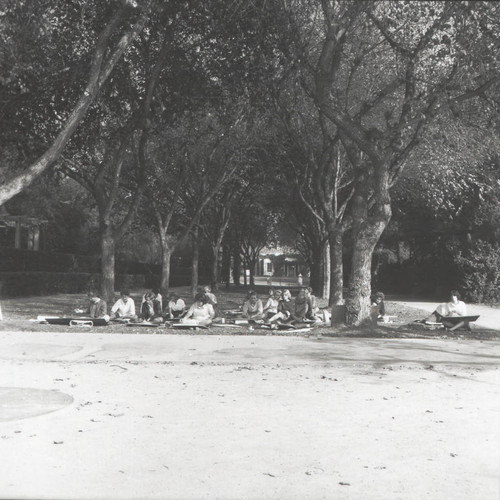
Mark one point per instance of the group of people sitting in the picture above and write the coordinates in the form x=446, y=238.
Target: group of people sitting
x=151, y=308
x=279, y=307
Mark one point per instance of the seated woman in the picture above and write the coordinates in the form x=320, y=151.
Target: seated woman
x=271, y=307
x=211, y=298
x=124, y=307
x=253, y=308
x=378, y=301
x=201, y=312
x=285, y=309
x=150, y=307
x=300, y=308
x=176, y=307
x=453, y=308
x=158, y=297
x=313, y=312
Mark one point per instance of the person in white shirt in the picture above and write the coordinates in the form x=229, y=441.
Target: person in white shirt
x=201, y=312
x=176, y=307
x=253, y=308
x=124, y=307
x=453, y=308
x=271, y=307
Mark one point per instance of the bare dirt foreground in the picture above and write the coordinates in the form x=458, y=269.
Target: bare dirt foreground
x=90, y=415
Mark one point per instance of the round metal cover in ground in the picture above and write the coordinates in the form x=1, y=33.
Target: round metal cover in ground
x=17, y=403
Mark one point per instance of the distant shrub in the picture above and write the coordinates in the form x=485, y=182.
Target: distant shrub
x=26, y=284
x=43, y=283
x=429, y=278
x=20, y=260
x=479, y=271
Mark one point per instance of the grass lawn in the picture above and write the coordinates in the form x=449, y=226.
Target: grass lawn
x=17, y=313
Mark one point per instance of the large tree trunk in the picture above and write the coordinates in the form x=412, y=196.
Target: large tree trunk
x=358, y=300
x=336, y=268
x=195, y=262
x=367, y=231
x=107, y=265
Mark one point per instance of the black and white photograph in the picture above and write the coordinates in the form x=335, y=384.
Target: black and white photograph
x=249, y=250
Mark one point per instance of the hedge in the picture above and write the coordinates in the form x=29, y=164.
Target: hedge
x=20, y=260
x=473, y=270
x=479, y=271
x=44, y=283
x=429, y=278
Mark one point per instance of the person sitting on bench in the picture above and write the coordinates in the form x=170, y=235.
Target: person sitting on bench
x=200, y=312
x=453, y=308
x=124, y=307
x=253, y=308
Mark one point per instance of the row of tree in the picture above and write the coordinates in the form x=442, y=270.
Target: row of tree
x=241, y=122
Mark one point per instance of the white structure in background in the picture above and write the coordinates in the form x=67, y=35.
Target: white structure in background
x=281, y=261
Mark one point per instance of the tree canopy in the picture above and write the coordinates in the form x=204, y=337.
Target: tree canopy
x=330, y=117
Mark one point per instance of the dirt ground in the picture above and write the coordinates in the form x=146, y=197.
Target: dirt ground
x=123, y=413
x=89, y=415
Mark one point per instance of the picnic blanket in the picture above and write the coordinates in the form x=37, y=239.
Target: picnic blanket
x=75, y=321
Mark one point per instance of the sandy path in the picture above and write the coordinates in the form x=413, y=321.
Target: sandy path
x=150, y=416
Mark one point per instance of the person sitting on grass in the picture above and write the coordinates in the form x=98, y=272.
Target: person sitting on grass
x=313, y=311
x=158, y=297
x=454, y=308
x=271, y=307
x=253, y=308
x=97, y=307
x=300, y=308
x=285, y=309
x=378, y=301
x=124, y=307
x=150, y=307
x=176, y=307
x=211, y=298
x=201, y=312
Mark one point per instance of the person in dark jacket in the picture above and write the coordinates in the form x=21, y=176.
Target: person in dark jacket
x=378, y=301
x=97, y=307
